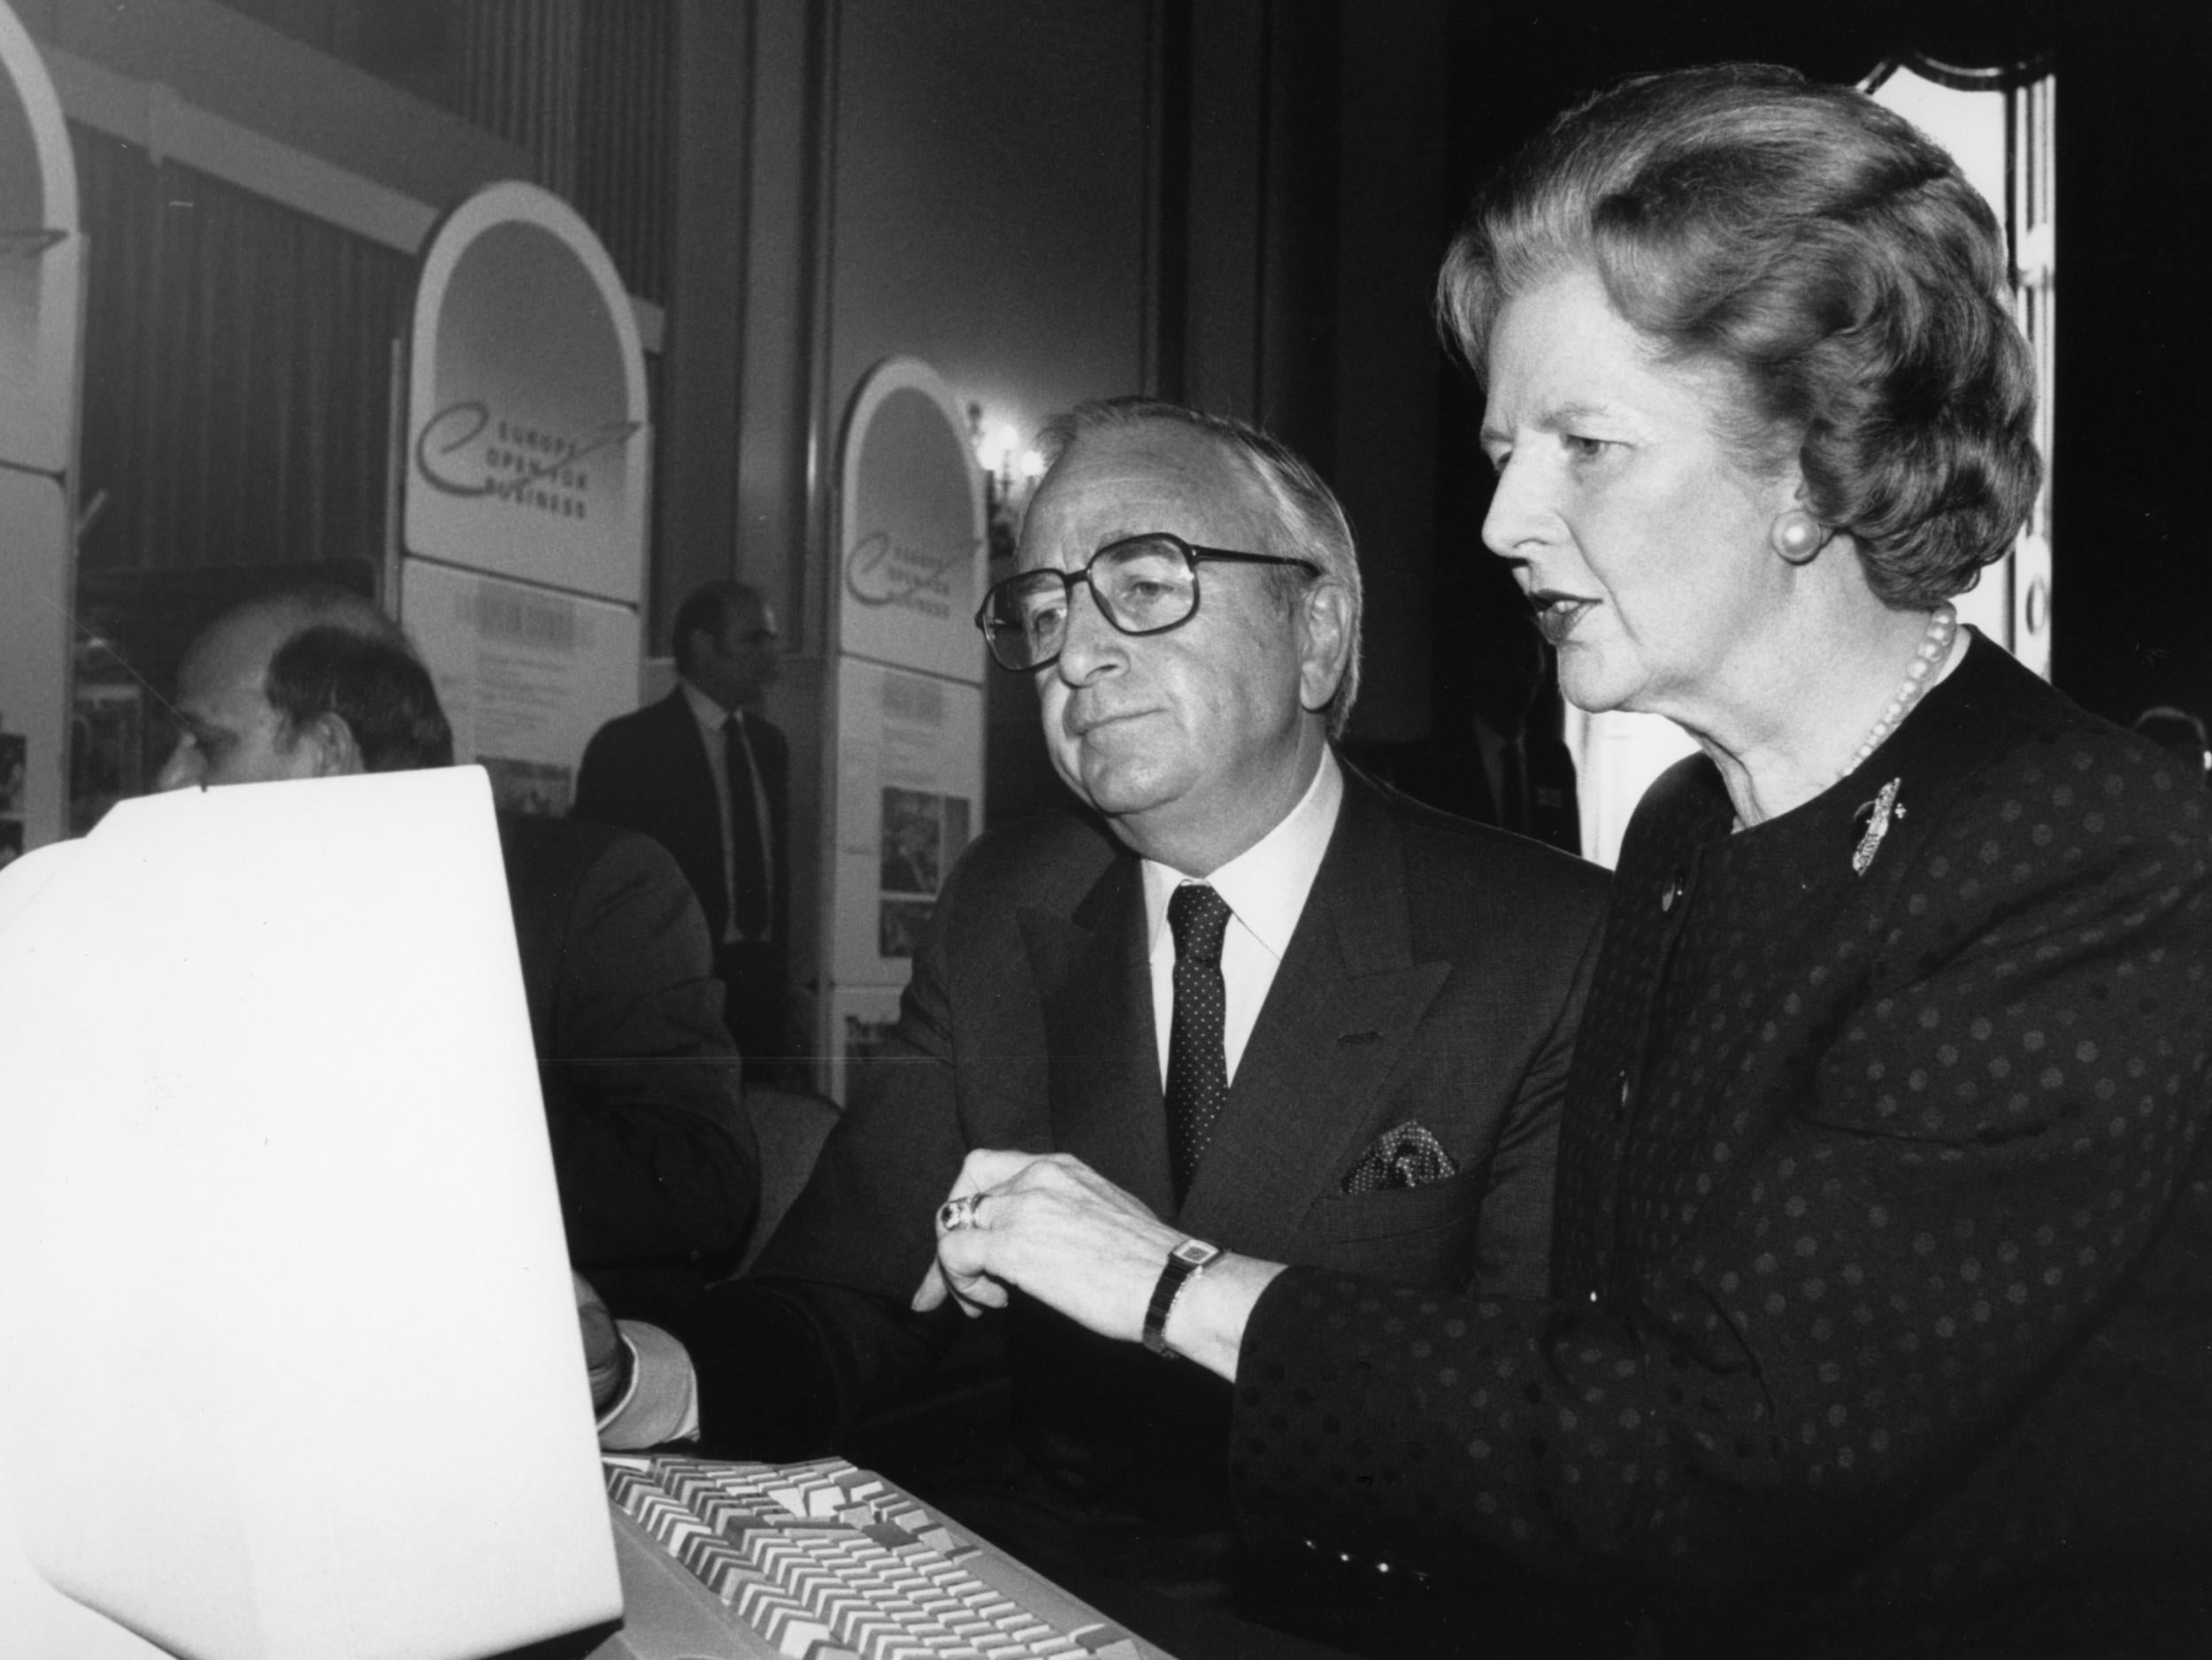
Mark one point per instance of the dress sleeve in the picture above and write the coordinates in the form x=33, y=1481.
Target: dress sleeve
x=1894, y=1256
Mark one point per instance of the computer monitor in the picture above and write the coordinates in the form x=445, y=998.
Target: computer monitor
x=289, y=1357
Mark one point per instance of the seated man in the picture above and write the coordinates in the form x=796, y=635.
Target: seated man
x=652, y=1150
x=1282, y=1006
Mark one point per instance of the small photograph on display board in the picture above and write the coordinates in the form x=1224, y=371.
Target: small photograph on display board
x=909, y=777
x=913, y=841
x=899, y=927
x=923, y=833
x=527, y=675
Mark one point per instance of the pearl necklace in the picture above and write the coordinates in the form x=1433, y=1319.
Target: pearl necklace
x=1935, y=647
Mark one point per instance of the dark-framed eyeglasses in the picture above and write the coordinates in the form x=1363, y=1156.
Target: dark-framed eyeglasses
x=1143, y=585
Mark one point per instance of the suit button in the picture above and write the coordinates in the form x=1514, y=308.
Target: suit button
x=1671, y=892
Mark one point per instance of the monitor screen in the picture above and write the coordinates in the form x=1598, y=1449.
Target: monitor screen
x=292, y=1359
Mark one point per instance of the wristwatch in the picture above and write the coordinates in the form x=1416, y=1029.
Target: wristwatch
x=1185, y=1263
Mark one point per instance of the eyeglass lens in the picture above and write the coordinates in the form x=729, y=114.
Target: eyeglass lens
x=1143, y=585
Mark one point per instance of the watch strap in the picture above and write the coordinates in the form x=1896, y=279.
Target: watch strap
x=1184, y=1263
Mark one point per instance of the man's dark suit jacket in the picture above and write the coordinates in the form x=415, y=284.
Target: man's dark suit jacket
x=655, y=1157
x=1435, y=975
x=647, y=772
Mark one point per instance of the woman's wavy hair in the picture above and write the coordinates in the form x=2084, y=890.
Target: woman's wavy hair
x=1824, y=253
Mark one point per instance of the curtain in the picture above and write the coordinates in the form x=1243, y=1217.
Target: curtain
x=238, y=374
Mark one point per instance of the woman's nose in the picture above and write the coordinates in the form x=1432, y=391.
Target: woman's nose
x=1518, y=512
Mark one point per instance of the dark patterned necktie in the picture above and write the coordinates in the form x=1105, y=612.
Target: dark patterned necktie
x=749, y=880
x=1197, y=1065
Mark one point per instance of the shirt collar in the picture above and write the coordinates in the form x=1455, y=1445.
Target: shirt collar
x=1266, y=885
x=705, y=710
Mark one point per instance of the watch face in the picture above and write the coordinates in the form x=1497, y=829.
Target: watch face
x=1196, y=1252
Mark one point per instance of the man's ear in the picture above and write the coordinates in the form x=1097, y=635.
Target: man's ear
x=331, y=748
x=1325, y=642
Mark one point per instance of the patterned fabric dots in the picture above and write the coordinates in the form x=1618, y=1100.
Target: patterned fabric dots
x=1897, y=1274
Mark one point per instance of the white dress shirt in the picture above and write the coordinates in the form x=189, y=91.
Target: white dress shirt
x=710, y=717
x=1266, y=889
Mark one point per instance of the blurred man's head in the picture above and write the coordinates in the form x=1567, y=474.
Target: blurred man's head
x=313, y=684
x=727, y=644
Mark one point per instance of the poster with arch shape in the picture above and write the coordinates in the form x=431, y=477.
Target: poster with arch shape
x=527, y=437
x=911, y=541
x=526, y=474
x=42, y=275
x=907, y=780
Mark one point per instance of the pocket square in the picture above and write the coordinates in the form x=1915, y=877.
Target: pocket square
x=1407, y=1156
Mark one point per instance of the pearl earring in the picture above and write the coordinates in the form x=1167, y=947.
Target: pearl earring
x=1799, y=537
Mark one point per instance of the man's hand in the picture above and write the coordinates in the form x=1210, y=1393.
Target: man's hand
x=1060, y=1231
x=1070, y=1237
x=604, y=1358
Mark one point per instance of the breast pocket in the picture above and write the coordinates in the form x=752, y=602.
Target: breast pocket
x=1411, y=1236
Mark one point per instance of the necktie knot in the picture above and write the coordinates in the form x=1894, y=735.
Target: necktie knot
x=1199, y=918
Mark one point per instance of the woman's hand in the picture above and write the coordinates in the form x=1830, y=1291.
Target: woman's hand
x=1061, y=1232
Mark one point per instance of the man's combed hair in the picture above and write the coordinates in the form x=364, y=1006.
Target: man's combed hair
x=1820, y=250
x=370, y=682
x=1312, y=521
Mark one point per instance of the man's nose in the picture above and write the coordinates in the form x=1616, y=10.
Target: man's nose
x=1091, y=646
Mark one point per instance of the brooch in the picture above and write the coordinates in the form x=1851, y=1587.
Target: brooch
x=1885, y=808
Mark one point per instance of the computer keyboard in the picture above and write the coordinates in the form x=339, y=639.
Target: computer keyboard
x=823, y=1560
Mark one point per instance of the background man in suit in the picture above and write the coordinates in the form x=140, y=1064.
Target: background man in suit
x=652, y=1150
x=707, y=776
x=1299, y=1015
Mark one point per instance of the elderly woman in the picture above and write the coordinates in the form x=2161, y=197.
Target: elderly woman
x=1879, y=1299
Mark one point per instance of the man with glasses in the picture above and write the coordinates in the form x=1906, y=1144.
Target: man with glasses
x=1251, y=992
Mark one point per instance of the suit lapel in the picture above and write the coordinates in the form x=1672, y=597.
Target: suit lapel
x=1096, y=988
x=1345, y=999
